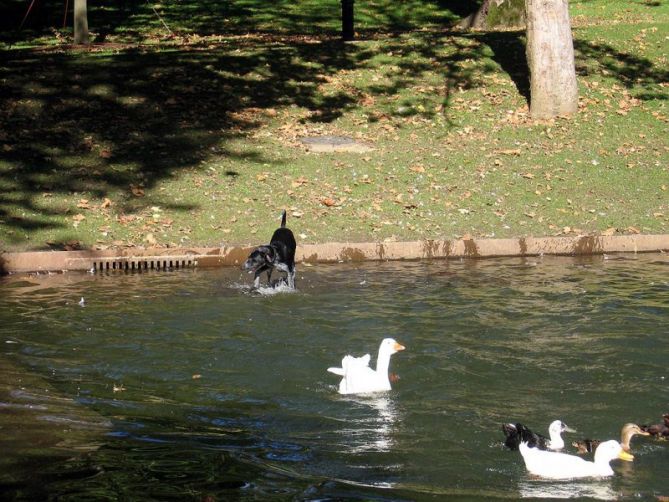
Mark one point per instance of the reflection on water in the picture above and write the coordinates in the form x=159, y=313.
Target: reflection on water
x=182, y=385
x=595, y=489
x=374, y=431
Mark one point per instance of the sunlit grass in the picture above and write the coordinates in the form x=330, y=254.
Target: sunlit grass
x=196, y=142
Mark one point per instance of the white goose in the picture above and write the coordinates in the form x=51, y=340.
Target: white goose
x=359, y=378
x=548, y=464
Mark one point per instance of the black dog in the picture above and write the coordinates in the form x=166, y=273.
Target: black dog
x=279, y=254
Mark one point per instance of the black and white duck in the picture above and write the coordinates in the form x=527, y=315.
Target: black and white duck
x=517, y=433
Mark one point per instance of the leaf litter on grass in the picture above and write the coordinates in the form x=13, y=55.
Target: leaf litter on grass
x=207, y=129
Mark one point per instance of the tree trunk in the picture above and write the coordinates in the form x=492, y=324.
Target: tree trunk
x=347, y=28
x=550, y=58
x=80, y=22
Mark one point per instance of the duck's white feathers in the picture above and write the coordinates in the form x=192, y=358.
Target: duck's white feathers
x=548, y=464
x=351, y=363
x=358, y=377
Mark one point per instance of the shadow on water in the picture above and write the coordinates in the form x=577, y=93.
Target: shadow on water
x=42, y=428
x=156, y=447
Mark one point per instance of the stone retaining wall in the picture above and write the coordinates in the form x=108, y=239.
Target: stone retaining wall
x=169, y=258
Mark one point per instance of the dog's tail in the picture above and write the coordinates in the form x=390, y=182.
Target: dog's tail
x=283, y=218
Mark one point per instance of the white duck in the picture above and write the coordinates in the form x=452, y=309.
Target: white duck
x=548, y=464
x=359, y=378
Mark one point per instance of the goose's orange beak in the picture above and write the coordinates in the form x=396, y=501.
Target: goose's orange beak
x=623, y=455
x=399, y=347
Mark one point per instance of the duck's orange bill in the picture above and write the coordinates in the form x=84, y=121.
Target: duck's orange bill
x=623, y=455
x=399, y=347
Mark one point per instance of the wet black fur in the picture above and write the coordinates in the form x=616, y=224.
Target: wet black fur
x=279, y=254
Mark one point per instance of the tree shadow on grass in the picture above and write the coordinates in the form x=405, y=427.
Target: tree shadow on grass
x=508, y=51
x=629, y=70
x=127, y=20
x=632, y=71
x=122, y=123
x=103, y=123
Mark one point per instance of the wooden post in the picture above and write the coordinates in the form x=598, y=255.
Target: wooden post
x=550, y=58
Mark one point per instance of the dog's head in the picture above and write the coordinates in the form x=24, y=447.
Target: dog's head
x=259, y=257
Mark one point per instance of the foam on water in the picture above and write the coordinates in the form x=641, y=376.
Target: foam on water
x=275, y=289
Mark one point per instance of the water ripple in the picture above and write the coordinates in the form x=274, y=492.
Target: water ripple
x=196, y=388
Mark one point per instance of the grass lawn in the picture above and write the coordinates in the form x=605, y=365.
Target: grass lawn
x=192, y=137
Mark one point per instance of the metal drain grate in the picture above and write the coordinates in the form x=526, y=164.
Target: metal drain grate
x=149, y=263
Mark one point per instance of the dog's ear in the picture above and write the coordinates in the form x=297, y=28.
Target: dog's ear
x=269, y=255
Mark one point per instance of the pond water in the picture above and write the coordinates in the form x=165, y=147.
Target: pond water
x=182, y=385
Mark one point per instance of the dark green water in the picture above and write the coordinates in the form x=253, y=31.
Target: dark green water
x=182, y=386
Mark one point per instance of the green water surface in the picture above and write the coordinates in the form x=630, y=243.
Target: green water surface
x=184, y=385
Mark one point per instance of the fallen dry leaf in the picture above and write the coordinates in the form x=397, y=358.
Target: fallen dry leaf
x=367, y=100
x=298, y=182
x=72, y=246
x=137, y=190
x=515, y=151
x=124, y=219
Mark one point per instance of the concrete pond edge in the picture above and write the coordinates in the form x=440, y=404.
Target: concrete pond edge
x=136, y=258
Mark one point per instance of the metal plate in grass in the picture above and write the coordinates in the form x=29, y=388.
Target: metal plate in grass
x=334, y=144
